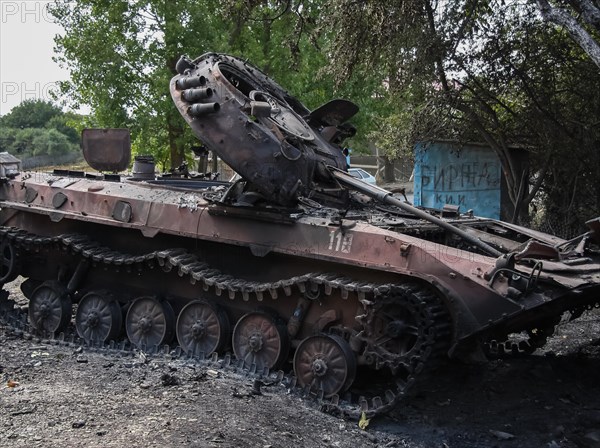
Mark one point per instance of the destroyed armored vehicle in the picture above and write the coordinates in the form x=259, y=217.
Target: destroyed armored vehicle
x=296, y=266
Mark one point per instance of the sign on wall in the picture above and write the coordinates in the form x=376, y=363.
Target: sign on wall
x=469, y=177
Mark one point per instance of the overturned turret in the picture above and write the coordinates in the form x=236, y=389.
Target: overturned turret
x=269, y=137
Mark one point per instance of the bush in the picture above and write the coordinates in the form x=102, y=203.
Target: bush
x=50, y=142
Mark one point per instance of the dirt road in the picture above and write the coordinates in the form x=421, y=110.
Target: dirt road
x=57, y=396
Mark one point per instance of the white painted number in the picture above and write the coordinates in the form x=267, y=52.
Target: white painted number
x=340, y=242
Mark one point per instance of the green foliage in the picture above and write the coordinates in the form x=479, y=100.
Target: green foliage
x=65, y=125
x=485, y=70
x=30, y=142
x=37, y=127
x=23, y=141
x=287, y=41
x=7, y=139
x=51, y=142
x=31, y=114
x=265, y=35
x=121, y=56
x=482, y=71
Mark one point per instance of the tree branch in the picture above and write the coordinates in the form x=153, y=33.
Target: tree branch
x=589, y=12
x=561, y=17
x=538, y=182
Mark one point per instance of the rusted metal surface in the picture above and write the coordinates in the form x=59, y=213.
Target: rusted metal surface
x=106, y=149
x=259, y=129
x=293, y=257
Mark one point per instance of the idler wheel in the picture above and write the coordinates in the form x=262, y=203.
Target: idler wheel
x=50, y=307
x=99, y=317
x=150, y=322
x=260, y=340
x=9, y=269
x=325, y=363
x=202, y=328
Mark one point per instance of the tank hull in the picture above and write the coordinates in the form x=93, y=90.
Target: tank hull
x=266, y=246
x=296, y=265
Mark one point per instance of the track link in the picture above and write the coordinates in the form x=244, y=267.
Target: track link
x=433, y=325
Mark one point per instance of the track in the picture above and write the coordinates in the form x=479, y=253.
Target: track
x=426, y=321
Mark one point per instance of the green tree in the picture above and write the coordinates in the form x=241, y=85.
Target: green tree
x=289, y=41
x=37, y=127
x=23, y=145
x=50, y=142
x=7, y=139
x=121, y=56
x=475, y=70
x=281, y=40
x=31, y=114
x=65, y=124
x=581, y=20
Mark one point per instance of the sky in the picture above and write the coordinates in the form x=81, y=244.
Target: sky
x=26, y=48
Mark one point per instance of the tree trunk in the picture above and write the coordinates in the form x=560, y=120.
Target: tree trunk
x=175, y=128
x=562, y=17
x=388, y=170
x=174, y=133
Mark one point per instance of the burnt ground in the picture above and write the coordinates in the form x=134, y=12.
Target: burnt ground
x=68, y=396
